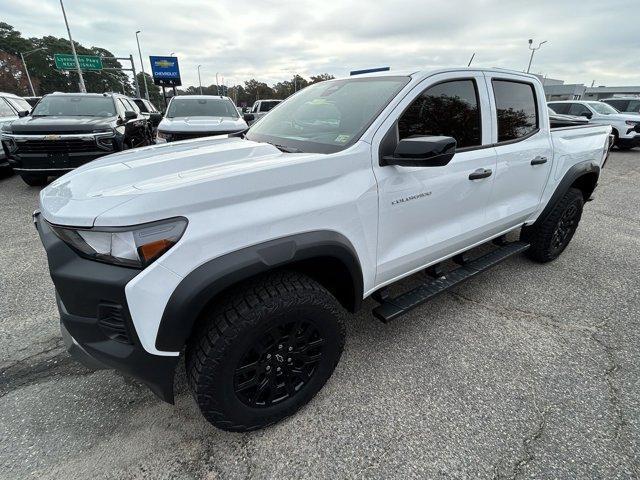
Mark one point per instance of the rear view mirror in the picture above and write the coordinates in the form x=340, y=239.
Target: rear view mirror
x=155, y=118
x=130, y=115
x=422, y=152
x=249, y=117
x=587, y=114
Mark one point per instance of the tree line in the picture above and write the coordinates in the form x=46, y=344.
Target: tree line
x=46, y=78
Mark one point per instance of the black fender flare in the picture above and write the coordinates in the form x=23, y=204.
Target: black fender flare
x=197, y=289
x=572, y=175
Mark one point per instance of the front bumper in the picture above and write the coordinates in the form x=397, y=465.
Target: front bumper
x=94, y=317
x=629, y=142
x=54, y=155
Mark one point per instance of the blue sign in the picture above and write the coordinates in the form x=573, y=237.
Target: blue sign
x=165, y=71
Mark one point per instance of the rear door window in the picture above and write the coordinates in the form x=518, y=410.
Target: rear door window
x=517, y=110
x=449, y=109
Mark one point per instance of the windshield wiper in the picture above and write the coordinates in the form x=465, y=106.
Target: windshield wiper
x=282, y=148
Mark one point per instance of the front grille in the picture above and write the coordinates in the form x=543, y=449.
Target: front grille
x=186, y=136
x=112, y=322
x=56, y=146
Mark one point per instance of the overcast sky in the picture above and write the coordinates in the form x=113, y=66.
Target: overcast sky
x=269, y=39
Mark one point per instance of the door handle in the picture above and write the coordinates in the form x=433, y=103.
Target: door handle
x=480, y=173
x=539, y=161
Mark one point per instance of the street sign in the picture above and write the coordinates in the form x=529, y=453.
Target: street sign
x=65, y=61
x=165, y=71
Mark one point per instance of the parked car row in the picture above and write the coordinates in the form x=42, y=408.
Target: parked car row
x=66, y=130
x=625, y=126
x=11, y=108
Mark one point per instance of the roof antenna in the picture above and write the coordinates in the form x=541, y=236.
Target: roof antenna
x=471, y=59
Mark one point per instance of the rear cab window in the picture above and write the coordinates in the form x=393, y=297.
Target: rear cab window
x=516, y=109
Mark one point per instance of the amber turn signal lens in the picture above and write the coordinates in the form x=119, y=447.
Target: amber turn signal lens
x=153, y=250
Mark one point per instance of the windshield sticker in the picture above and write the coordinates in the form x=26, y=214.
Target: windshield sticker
x=342, y=138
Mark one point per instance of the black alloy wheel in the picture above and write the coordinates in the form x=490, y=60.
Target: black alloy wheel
x=279, y=364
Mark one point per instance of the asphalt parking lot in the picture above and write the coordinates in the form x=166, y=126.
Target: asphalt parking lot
x=527, y=371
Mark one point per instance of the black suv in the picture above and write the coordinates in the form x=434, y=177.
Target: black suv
x=66, y=130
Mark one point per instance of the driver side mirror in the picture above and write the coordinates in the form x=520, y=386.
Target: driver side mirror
x=249, y=117
x=587, y=114
x=422, y=152
x=130, y=115
x=155, y=118
x=23, y=113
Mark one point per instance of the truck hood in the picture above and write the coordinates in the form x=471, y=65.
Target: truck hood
x=54, y=124
x=167, y=176
x=623, y=116
x=201, y=124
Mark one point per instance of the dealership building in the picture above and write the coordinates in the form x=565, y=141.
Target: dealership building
x=558, y=90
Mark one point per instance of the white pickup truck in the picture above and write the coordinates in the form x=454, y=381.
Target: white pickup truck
x=245, y=253
x=260, y=109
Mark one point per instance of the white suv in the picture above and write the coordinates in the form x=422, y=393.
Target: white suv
x=626, y=126
x=624, y=104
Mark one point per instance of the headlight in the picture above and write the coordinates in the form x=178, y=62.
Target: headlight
x=10, y=144
x=104, y=139
x=129, y=246
x=632, y=122
x=164, y=135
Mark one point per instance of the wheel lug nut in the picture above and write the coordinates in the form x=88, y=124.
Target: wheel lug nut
x=290, y=349
x=289, y=359
x=278, y=369
x=268, y=356
x=280, y=347
x=268, y=368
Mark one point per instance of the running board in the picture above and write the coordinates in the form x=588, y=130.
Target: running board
x=391, y=308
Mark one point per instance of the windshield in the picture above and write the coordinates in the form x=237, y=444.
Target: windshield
x=20, y=104
x=201, y=107
x=602, y=108
x=75, y=106
x=329, y=116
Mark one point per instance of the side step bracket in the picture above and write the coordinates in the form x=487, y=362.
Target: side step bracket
x=391, y=308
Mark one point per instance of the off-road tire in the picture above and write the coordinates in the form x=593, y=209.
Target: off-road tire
x=551, y=236
x=237, y=323
x=34, y=180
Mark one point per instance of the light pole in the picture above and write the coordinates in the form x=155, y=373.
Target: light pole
x=199, y=81
x=144, y=76
x=217, y=85
x=533, y=50
x=83, y=89
x=26, y=70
